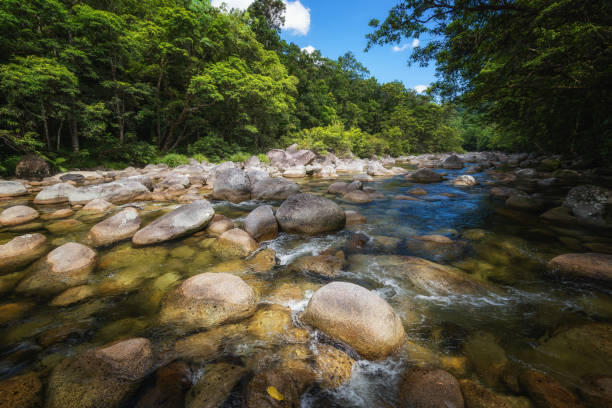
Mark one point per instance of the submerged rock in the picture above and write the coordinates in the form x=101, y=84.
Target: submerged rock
x=590, y=265
x=171, y=385
x=232, y=185
x=120, y=226
x=310, y=214
x=22, y=250
x=19, y=214
x=104, y=377
x=427, y=388
x=234, y=243
x=356, y=316
x=215, y=386
x=207, y=300
x=22, y=391
x=179, y=222
x=281, y=386
x=487, y=357
x=323, y=265
x=477, y=396
x=545, y=391
x=333, y=367
x=261, y=223
x=68, y=265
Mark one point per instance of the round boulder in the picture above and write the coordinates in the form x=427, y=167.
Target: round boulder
x=19, y=214
x=261, y=223
x=465, y=181
x=68, y=265
x=22, y=250
x=207, y=300
x=232, y=185
x=32, y=166
x=179, y=222
x=310, y=214
x=356, y=316
x=425, y=176
x=234, y=243
x=12, y=189
x=120, y=226
x=274, y=189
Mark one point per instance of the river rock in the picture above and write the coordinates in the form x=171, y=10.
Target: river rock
x=22, y=250
x=179, y=222
x=261, y=223
x=55, y=194
x=22, y=391
x=120, y=226
x=425, y=175
x=453, y=162
x=11, y=189
x=597, y=391
x=16, y=215
x=356, y=316
x=68, y=265
x=589, y=265
x=477, y=396
x=323, y=265
x=465, y=181
x=590, y=204
x=281, y=386
x=357, y=196
x=234, y=243
x=377, y=169
x=487, y=357
x=295, y=172
x=105, y=377
x=171, y=385
x=219, y=224
x=207, y=300
x=98, y=206
x=428, y=388
x=354, y=218
x=338, y=188
x=310, y=214
x=545, y=391
x=215, y=386
x=274, y=189
x=333, y=367
x=115, y=192
x=32, y=166
x=232, y=185
x=73, y=295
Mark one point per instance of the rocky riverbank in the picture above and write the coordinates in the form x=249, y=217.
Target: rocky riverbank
x=193, y=254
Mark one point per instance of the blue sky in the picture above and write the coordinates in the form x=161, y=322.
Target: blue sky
x=337, y=26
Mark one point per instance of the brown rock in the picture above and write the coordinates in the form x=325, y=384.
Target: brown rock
x=171, y=385
x=425, y=388
x=234, y=243
x=19, y=214
x=22, y=391
x=219, y=224
x=323, y=265
x=547, y=392
x=590, y=265
x=120, y=226
x=22, y=250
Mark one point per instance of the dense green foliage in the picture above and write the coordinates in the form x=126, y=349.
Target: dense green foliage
x=98, y=82
x=540, y=70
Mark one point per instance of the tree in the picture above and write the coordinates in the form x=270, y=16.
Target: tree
x=539, y=69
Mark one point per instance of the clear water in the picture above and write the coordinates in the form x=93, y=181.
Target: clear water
x=523, y=309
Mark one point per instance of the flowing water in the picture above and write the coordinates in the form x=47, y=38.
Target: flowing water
x=514, y=325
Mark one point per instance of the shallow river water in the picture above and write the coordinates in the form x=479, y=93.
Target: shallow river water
x=521, y=322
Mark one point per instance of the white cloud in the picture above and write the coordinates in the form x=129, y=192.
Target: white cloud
x=398, y=48
x=297, y=18
x=233, y=4
x=420, y=88
x=309, y=49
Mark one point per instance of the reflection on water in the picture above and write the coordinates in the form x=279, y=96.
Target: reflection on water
x=517, y=318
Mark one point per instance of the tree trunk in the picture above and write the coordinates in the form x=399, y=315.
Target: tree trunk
x=43, y=112
x=74, y=134
x=59, y=134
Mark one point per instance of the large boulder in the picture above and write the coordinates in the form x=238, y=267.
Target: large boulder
x=68, y=265
x=19, y=214
x=453, y=162
x=120, y=226
x=179, y=222
x=425, y=175
x=261, y=223
x=232, y=185
x=590, y=204
x=105, y=377
x=55, y=194
x=11, y=189
x=427, y=388
x=274, y=189
x=589, y=265
x=356, y=316
x=310, y=214
x=22, y=250
x=207, y=300
x=115, y=192
x=32, y=166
